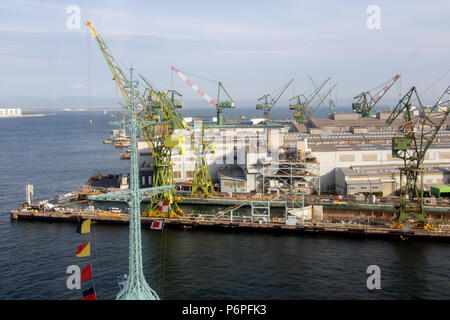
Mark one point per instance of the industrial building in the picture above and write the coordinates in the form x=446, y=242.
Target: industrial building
x=10, y=112
x=347, y=156
x=246, y=158
x=353, y=155
x=384, y=179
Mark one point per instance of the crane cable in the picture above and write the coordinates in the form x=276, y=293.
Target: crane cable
x=201, y=77
x=433, y=84
x=94, y=231
x=88, y=54
x=162, y=261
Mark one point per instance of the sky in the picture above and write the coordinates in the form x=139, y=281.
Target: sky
x=252, y=47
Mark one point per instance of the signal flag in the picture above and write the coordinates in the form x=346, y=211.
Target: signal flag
x=86, y=273
x=84, y=226
x=157, y=225
x=89, y=294
x=84, y=250
x=163, y=206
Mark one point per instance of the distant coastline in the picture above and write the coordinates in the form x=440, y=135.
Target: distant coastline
x=29, y=115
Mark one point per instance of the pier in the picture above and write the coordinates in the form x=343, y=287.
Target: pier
x=244, y=223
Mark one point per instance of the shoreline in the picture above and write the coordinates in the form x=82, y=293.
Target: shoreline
x=31, y=115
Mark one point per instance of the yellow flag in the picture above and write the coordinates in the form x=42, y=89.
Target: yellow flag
x=84, y=227
x=84, y=250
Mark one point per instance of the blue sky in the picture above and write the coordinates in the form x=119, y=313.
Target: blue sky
x=253, y=47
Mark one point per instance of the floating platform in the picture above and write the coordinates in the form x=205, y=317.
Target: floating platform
x=274, y=226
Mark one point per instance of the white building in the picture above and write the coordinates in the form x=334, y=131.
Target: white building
x=385, y=179
x=238, y=147
x=345, y=156
x=10, y=112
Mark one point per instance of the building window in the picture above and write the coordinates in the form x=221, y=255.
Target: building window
x=346, y=158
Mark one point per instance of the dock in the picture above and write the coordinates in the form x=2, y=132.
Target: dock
x=242, y=223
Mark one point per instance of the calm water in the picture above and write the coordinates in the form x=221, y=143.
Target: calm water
x=59, y=153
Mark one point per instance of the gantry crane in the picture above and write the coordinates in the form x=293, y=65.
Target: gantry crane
x=331, y=103
x=152, y=105
x=162, y=141
x=414, y=138
x=331, y=106
x=220, y=105
x=201, y=182
x=302, y=111
x=177, y=103
x=364, y=102
x=269, y=101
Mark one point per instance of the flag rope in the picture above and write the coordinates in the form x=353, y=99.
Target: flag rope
x=96, y=260
x=80, y=226
x=164, y=234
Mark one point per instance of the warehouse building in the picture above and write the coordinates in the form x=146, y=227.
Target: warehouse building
x=384, y=179
x=10, y=112
x=352, y=155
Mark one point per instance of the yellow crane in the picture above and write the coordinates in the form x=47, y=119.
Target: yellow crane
x=153, y=105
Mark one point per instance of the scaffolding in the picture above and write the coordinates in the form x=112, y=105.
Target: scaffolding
x=260, y=210
x=295, y=203
x=282, y=176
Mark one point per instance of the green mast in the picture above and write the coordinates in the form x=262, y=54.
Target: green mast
x=134, y=286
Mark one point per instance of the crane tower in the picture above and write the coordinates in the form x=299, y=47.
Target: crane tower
x=414, y=138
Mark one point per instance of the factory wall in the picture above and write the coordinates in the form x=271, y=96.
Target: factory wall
x=329, y=160
x=389, y=182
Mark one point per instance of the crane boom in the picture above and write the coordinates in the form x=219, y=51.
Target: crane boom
x=168, y=108
x=322, y=100
x=158, y=136
x=383, y=91
x=412, y=148
x=269, y=101
x=219, y=105
x=194, y=86
x=301, y=111
x=118, y=74
x=365, y=102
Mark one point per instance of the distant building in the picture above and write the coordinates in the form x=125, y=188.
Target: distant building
x=10, y=112
x=368, y=154
x=384, y=179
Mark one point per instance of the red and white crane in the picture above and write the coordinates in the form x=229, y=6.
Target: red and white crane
x=219, y=105
x=364, y=102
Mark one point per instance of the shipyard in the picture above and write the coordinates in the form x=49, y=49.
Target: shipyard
x=365, y=167
x=292, y=174
x=210, y=151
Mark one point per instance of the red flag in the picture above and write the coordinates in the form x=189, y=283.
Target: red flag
x=89, y=294
x=86, y=274
x=157, y=225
